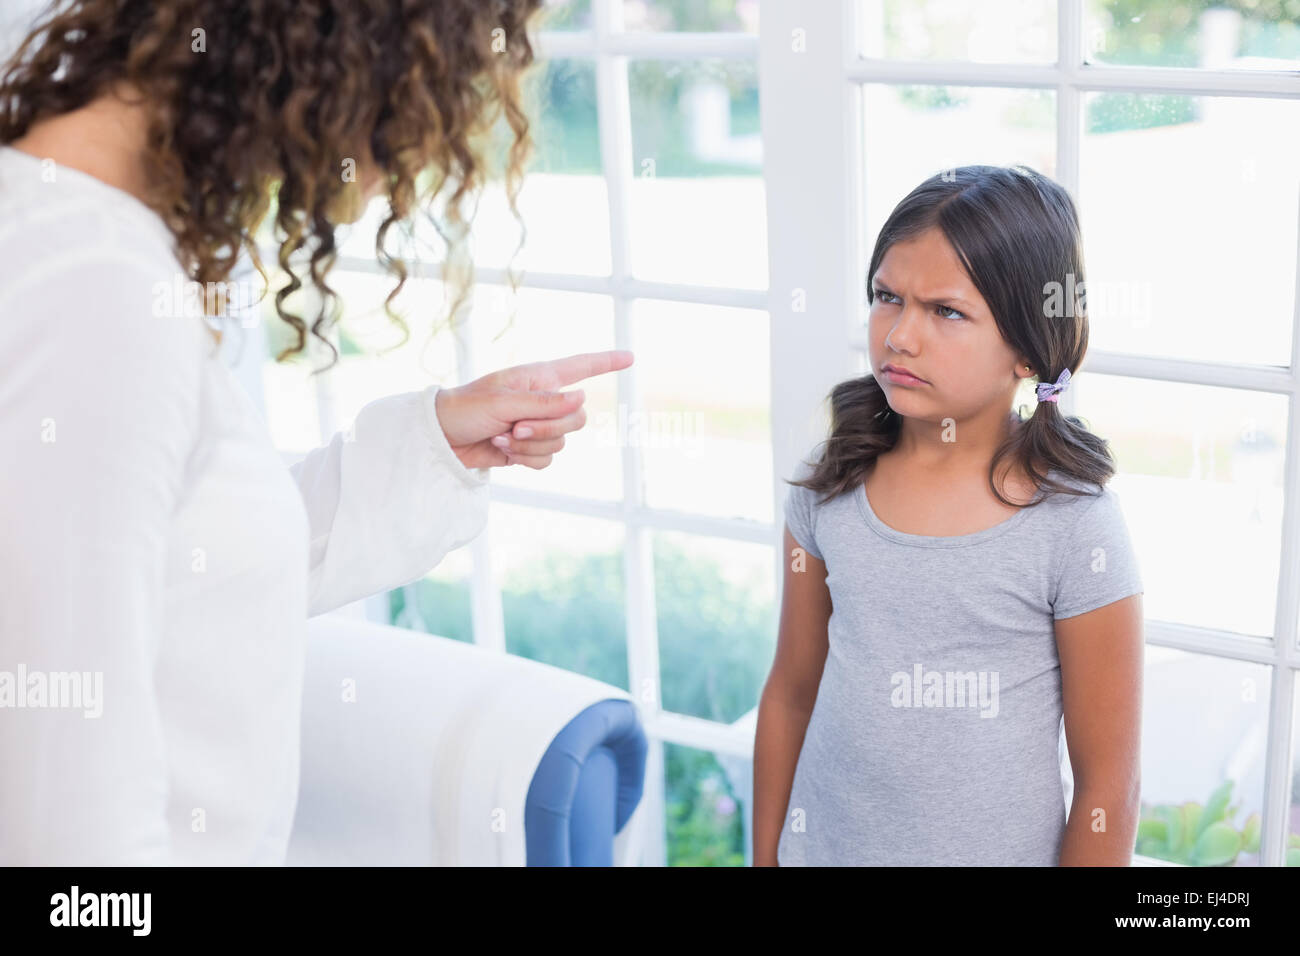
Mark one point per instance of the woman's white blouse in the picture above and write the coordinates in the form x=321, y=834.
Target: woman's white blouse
x=158, y=562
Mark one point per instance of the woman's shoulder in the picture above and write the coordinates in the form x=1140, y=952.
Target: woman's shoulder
x=53, y=218
x=91, y=280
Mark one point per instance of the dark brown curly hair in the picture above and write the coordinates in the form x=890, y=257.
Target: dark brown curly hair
x=260, y=103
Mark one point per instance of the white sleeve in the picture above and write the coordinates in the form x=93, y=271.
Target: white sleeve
x=386, y=500
x=99, y=404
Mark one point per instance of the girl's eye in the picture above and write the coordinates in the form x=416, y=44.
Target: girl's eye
x=881, y=293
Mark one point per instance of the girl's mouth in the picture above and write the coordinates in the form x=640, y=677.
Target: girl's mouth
x=902, y=378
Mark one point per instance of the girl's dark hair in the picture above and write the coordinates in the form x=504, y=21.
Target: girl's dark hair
x=255, y=101
x=1017, y=234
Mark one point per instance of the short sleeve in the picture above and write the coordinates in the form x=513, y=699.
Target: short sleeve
x=799, y=517
x=1098, y=565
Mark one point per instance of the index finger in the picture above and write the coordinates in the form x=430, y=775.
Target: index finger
x=575, y=368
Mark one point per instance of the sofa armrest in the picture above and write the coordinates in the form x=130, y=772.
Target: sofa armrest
x=586, y=788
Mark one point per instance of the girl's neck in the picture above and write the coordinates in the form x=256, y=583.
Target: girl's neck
x=953, y=448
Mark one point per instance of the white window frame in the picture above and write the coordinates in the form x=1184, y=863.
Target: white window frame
x=810, y=107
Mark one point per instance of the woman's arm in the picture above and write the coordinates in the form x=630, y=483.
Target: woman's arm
x=789, y=694
x=1101, y=691
x=386, y=500
x=390, y=497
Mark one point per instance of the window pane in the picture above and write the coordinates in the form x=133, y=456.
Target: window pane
x=290, y=393
x=1184, y=33
x=714, y=601
x=959, y=126
x=713, y=16
x=358, y=238
x=561, y=581
x=697, y=205
x=439, y=602
x=705, y=824
x=549, y=325
x=991, y=31
x=1179, y=252
x=1202, y=494
x=565, y=15
x=1204, y=733
x=705, y=427
x=562, y=201
x=370, y=365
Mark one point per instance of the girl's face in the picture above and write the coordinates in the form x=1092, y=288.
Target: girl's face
x=928, y=317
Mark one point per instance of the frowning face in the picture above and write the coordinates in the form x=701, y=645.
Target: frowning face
x=927, y=317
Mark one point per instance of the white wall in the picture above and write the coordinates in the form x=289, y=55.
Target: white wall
x=16, y=18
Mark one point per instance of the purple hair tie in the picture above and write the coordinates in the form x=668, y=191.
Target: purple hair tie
x=1048, y=392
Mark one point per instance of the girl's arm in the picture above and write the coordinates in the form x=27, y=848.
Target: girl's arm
x=1101, y=690
x=789, y=694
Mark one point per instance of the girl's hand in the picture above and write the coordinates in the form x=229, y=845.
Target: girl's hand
x=517, y=415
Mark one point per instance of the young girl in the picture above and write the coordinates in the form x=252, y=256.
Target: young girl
x=959, y=581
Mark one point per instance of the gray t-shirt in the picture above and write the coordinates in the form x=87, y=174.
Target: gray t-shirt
x=937, y=734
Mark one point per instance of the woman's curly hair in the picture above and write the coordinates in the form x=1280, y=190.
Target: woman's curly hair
x=255, y=102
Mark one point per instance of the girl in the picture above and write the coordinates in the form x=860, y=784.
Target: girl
x=960, y=581
x=150, y=537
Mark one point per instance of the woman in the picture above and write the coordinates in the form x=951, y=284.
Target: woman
x=159, y=561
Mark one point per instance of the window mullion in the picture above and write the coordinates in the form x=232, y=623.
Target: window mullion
x=614, y=120
x=1286, y=627
x=1069, y=121
x=487, y=617
x=1277, y=763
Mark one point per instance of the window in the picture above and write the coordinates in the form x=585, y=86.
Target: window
x=708, y=186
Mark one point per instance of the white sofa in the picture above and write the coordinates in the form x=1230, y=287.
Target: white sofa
x=420, y=750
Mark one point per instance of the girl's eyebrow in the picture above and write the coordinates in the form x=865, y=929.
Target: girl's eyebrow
x=940, y=301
